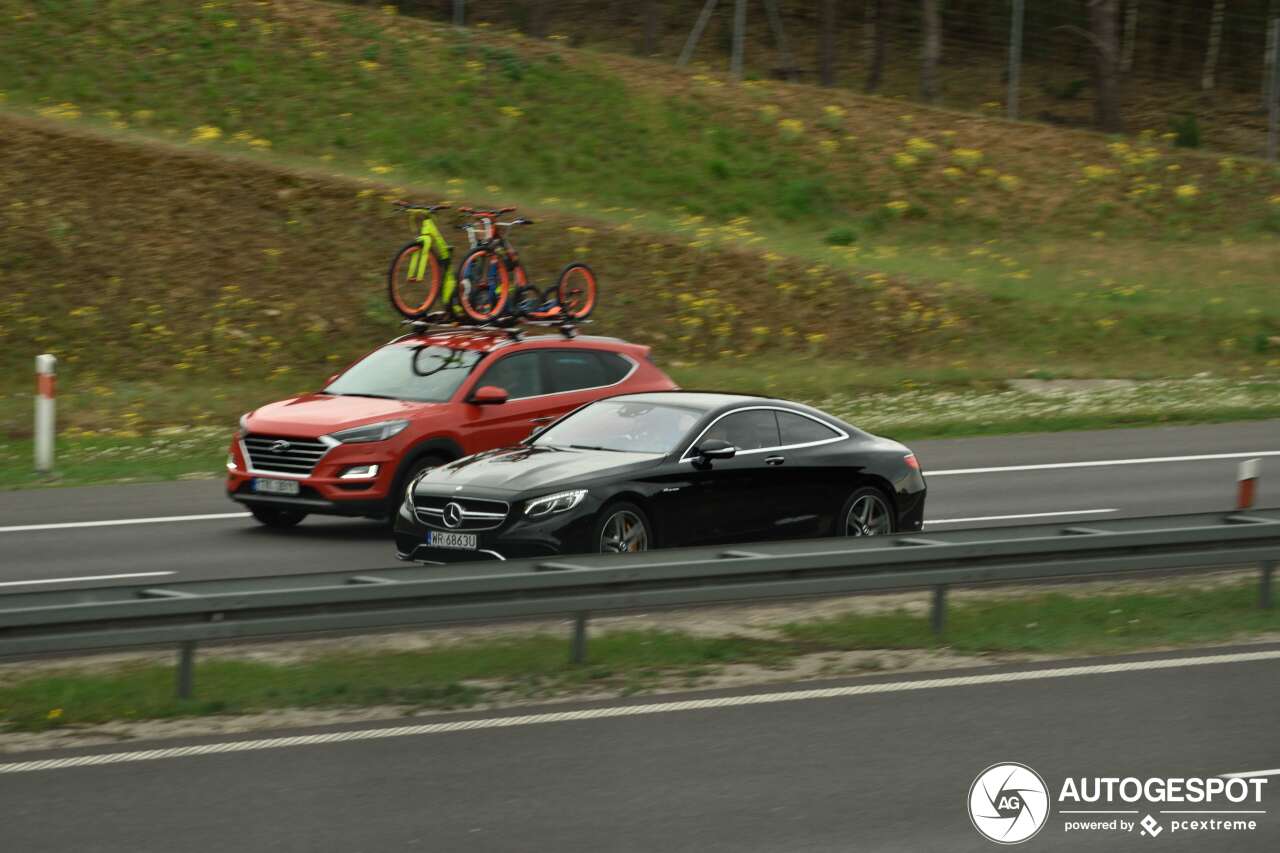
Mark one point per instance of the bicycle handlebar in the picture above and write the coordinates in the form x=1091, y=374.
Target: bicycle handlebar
x=429, y=208
x=475, y=211
x=520, y=221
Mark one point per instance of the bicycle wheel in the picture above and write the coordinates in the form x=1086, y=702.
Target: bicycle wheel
x=413, y=281
x=483, y=285
x=576, y=291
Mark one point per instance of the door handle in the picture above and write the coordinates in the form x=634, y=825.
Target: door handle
x=545, y=420
x=774, y=460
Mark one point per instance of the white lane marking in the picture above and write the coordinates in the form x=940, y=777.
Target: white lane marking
x=1099, y=463
x=628, y=711
x=1019, y=515
x=1249, y=774
x=162, y=519
x=88, y=578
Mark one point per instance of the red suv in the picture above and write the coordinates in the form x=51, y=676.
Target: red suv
x=417, y=402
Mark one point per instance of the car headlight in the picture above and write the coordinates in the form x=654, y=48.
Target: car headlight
x=380, y=431
x=559, y=502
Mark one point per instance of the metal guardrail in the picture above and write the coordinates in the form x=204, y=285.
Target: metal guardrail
x=186, y=613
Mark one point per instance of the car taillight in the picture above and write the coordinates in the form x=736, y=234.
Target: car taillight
x=911, y=461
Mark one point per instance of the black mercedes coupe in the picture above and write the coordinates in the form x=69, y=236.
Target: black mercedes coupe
x=642, y=471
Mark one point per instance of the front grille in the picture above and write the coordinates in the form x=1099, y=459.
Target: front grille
x=473, y=513
x=280, y=454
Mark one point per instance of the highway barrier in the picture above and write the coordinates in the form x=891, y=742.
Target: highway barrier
x=190, y=612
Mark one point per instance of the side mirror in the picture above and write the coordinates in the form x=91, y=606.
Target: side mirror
x=489, y=395
x=716, y=448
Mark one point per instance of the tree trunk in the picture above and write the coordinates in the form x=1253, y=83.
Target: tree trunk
x=878, y=12
x=827, y=46
x=932, y=20
x=1106, y=106
x=1130, y=36
x=651, y=10
x=1209, y=77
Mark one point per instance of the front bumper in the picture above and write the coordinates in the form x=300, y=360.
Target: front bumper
x=324, y=490
x=516, y=538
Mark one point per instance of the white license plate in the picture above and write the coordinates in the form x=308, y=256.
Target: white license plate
x=275, y=487
x=464, y=541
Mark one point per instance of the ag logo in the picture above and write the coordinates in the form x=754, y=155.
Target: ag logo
x=1008, y=803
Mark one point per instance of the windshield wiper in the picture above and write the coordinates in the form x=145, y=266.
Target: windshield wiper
x=356, y=394
x=591, y=447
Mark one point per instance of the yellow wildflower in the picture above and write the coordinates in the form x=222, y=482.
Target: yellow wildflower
x=511, y=112
x=1187, y=192
x=903, y=160
x=206, y=133
x=968, y=157
x=921, y=147
x=1009, y=183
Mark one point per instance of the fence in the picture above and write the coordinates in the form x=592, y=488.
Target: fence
x=291, y=605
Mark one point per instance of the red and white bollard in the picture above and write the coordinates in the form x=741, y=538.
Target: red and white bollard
x=46, y=380
x=1247, y=483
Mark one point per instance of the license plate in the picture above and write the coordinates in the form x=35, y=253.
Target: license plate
x=464, y=541
x=275, y=487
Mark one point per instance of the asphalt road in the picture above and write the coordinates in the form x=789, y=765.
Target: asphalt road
x=224, y=547
x=887, y=771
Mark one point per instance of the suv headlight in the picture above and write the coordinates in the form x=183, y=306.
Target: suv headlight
x=380, y=431
x=559, y=502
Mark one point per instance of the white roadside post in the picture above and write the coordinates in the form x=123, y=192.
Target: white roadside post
x=45, y=412
x=1247, y=483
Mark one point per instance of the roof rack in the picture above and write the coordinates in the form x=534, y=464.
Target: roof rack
x=439, y=321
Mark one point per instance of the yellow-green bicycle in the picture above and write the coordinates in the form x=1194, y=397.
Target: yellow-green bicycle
x=422, y=269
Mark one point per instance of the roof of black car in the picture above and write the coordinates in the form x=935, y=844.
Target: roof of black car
x=705, y=400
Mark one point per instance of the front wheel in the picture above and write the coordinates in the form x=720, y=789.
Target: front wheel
x=623, y=529
x=483, y=285
x=576, y=291
x=867, y=512
x=413, y=281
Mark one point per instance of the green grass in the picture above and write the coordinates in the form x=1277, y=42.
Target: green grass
x=625, y=662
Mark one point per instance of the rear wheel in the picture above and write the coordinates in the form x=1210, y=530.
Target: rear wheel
x=576, y=291
x=413, y=281
x=623, y=529
x=277, y=517
x=867, y=512
x=483, y=285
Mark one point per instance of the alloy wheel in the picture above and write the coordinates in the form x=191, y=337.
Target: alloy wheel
x=868, y=517
x=623, y=533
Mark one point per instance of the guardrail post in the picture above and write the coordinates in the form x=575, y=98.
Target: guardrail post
x=186, y=669
x=578, y=648
x=938, y=614
x=1264, y=587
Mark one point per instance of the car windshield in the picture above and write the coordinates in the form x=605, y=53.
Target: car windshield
x=421, y=374
x=624, y=425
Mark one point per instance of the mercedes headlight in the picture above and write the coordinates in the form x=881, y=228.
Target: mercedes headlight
x=559, y=502
x=380, y=431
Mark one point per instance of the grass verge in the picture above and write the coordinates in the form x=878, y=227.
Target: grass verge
x=534, y=667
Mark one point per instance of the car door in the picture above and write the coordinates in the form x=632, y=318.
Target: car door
x=730, y=500
x=810, y=487
x=522, y=376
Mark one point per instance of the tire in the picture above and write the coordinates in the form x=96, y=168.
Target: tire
x=402, y=482
x=622, y=513
x=411, y=297
x=576, y=291
x=480, y=300
x=277, y=518
x=867, y=512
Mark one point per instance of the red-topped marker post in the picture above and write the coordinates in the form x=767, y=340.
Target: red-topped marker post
x=1247, y=483
x=46, y=390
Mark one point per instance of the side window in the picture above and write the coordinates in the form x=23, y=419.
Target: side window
x=615, y=366
x=797, y=429
x=574, y=370
x=518, y=374
x=754, y=429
